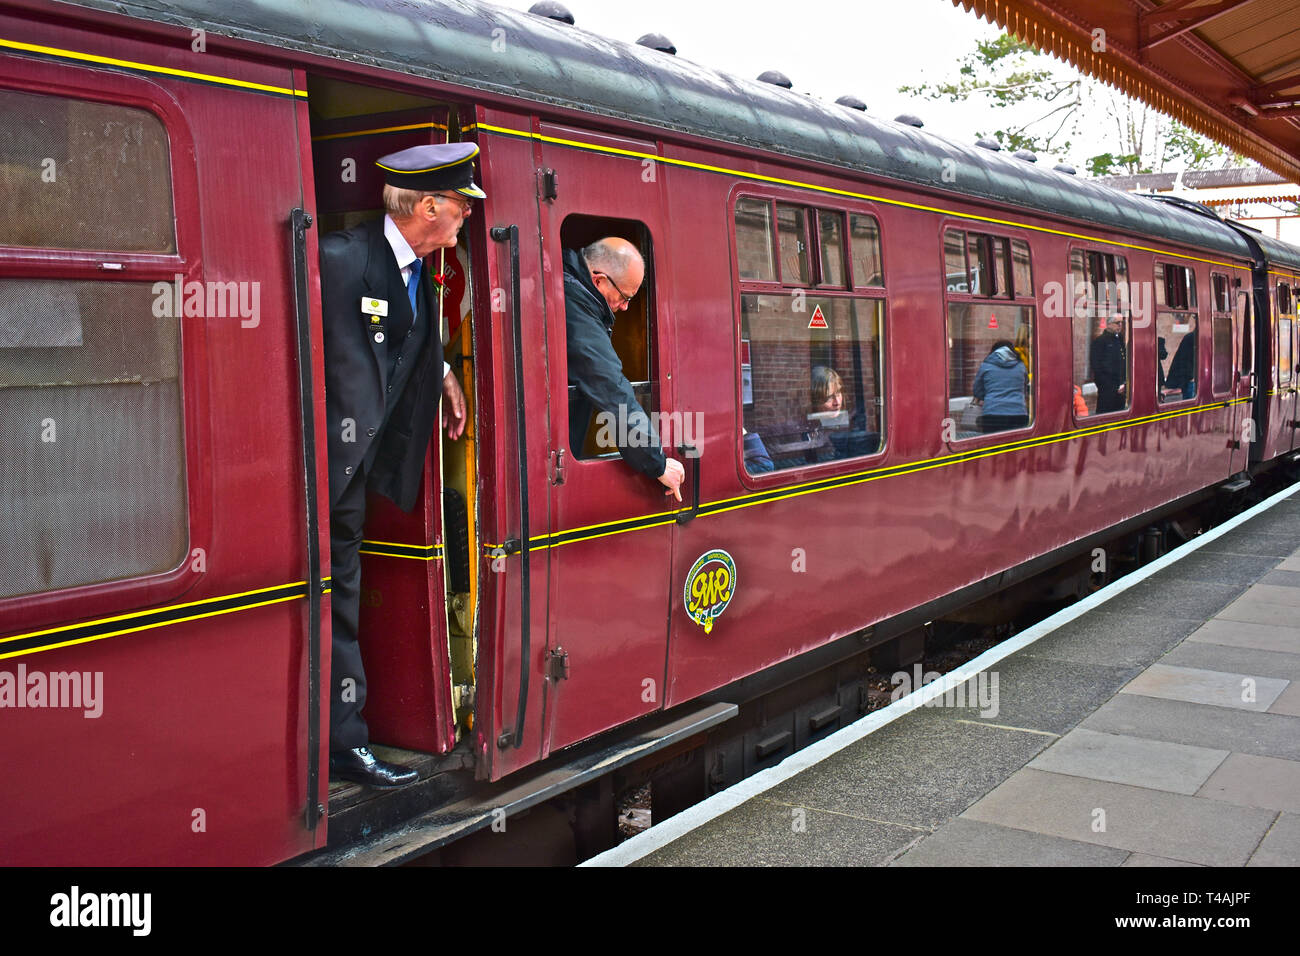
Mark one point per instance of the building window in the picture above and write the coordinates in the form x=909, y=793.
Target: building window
x=1177, y=358
x=990, y=341
x=90, y=369
x=1101, y=332
x=811, y=361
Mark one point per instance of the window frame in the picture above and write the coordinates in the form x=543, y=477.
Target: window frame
x=850, y=291
x=98, y=598
x=1112, y=258
x=1164, y=263
x=1217, y=314
x=1017, y=299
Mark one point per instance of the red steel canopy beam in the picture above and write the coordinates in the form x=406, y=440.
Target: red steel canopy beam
x=1188, y=80
x=1186, y=19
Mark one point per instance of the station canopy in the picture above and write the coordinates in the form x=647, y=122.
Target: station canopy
x=1229, y=69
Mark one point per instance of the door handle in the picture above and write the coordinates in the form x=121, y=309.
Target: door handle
x=694, y=454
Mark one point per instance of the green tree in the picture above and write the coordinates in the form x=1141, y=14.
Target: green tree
x=1040, y=107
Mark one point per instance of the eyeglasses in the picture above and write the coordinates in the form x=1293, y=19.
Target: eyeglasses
x=625, y=298
x=464, y=204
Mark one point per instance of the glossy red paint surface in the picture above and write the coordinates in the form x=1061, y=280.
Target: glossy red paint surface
x=199, y=755
x=211, y=715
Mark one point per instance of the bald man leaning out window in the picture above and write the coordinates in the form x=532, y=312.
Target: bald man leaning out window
x=600, y=281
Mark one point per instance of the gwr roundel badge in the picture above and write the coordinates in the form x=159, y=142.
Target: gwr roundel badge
x=709, y=586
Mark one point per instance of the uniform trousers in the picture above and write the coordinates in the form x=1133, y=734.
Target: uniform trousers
x=347, y=677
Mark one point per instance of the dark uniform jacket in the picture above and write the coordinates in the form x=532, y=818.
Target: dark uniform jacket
x=1109, y=370
x=595, y=368
x=362, y=376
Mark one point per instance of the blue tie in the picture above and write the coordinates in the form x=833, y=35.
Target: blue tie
x=413, y=285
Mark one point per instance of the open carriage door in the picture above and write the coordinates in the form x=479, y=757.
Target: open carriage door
x=403, y=624
x=610, y=548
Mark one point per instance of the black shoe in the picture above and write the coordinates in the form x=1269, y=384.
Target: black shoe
x=361, y=766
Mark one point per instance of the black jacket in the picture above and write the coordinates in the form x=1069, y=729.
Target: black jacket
x=358, y=263
x=1109, y=370
x=597, y=372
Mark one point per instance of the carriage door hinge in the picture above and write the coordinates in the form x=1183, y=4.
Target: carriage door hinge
x=546, y=184
x=557, y=467
x=557, y=665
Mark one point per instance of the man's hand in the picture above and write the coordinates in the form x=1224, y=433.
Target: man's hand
x=672, y=478
x=453, y=406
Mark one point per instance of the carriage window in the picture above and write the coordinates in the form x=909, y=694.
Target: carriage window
x=792, y=232
x=990, y=342
x=1022, y=277
x=1219, y=288
x=1175, y=287
x=831, y=241
x=811, y=379
x=1101, y=328
x=811, y=364
x=865, y=236
x=1177, y=359
x=1284, y=357
x=593, y=431
x=1221, y=344
x=77, y=174
x=93, y=440
x=754, y=240
x=1284, y=298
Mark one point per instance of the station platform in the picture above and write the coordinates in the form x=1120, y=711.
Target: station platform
x=1155, y=723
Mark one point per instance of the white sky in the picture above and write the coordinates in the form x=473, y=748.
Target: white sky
x=867, y=48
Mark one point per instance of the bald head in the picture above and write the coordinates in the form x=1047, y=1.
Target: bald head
x=616, y=268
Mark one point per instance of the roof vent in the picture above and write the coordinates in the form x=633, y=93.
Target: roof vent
x=1026, y=155
x=988, y=142
x=909, y=119
x=657, y=41
x=552, y=10
x=1065, y=168
x=852, y=102
x=776, y=78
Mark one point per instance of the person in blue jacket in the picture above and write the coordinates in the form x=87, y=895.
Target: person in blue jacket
x=1002, y=386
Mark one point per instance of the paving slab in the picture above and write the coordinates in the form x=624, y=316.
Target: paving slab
x=1291, y=563
x=760, y=832
x=1281, y=846
x=971, y=843
x=1222, y=728
x=1237, y=660
x=1266, y=637
x=1280, y=595
x=1156, y=764
x=1144, y=859
x=1288, y=579
x=919, y=771
x=1216, y=688
x=1145, y=821
x=1251, y=781
x=1254, y=610
x=1288, y=702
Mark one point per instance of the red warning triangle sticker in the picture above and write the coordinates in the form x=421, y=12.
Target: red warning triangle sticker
x=818, y=321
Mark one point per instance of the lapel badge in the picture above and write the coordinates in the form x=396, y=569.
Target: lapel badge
x=379, y=338
x=376, y=307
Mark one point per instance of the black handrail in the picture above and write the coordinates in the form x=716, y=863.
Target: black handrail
x=299, y=223
x=511, y=234
x=694, y=454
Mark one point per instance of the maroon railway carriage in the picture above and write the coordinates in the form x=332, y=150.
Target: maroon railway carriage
x=164, y=605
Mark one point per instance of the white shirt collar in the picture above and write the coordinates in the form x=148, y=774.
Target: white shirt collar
x=402, y=250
